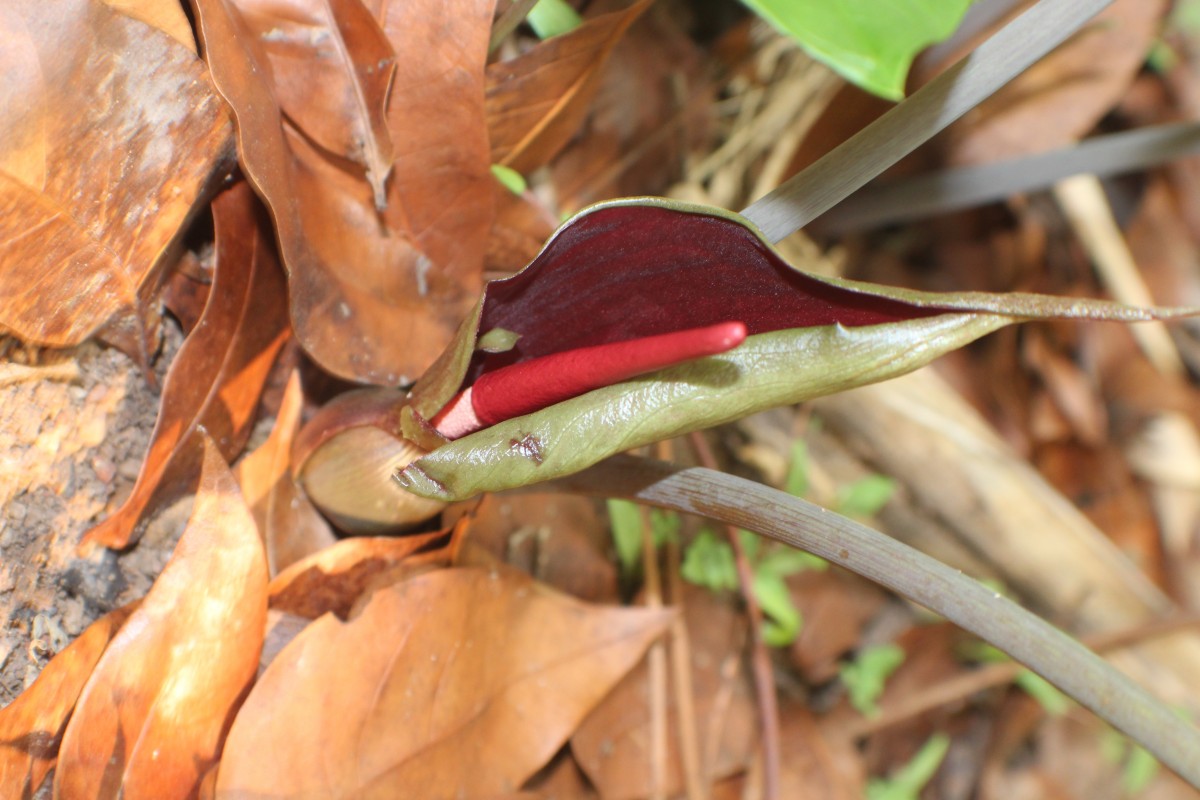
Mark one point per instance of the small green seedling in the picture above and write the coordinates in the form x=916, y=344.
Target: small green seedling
x=866, y=676
x=909, y=780
x=1138, y=766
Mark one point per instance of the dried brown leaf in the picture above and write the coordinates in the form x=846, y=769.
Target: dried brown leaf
x=1062, y=97
x=167, y=17
x=153, y=716
x=610, y=745
x=291, y=528
x=374, y=296
x=332, y=67
x=31, y=727
x=109, y=135
x=520, y=229
x=333, y=579
x=463, y=683
x=537, y=101
x=218, y=374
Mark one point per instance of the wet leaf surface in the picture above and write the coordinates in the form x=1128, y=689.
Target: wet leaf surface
x=82, y=239
x=451, y=667
x=153, y=716
x=218, y=375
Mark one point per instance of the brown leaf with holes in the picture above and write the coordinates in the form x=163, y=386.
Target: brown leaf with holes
x=463, y=683
x=332, y=67
x=375, y=295
x=218, y=375
x=153, y=716
x=31, y=727
x=110, y=134
x=333, y=580
x=537, y=101
x=291, y=528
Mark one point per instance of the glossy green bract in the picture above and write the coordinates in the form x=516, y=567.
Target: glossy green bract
x=869, y=42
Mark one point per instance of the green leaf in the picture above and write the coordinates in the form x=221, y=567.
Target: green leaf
x=553, y=18
x=1052, y=701
x=1140, y=769
x=708, y=562
x=626, y=520
x=866, y=676
x=664, y=526
x=784, y=561
x=498, y=340
x=869, y=42
x=751, y=543
x=864, y=498
x=907, y=782
x=509, y=177
x=781, y=623
x=796, y=482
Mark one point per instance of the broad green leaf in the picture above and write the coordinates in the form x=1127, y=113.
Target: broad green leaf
x=869, y=42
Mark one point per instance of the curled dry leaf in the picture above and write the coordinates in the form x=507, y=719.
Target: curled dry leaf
x=218, y=374
x=331, y=67
x=333, y=580
x=289, y=525
x=109, y=135
x=152, y=717
x=464, y=683
x=537, y=101
x=31, y=727
x=631, y=269
x=374, y=295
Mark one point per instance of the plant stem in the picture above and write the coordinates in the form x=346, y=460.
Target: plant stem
x=963, y=187
x=970, y=81
x=764, y=676
x=656, y=664
x=1058, y=658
